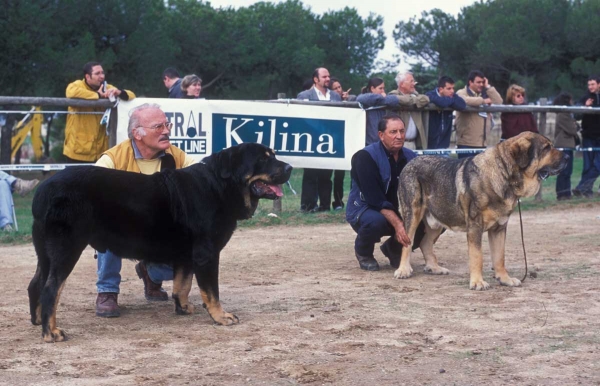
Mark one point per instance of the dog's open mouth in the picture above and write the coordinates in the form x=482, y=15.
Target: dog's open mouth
x=263, y=190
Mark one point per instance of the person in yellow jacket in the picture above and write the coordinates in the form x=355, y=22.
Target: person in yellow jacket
x=147, y=151
x=85, y=139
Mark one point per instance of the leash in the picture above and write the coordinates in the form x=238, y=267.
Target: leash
x=522, y=240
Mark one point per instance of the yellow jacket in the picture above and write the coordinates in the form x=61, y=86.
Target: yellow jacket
x=85, y=140
x=123, y=158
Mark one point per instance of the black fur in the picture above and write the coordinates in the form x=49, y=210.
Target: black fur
x=180, y=217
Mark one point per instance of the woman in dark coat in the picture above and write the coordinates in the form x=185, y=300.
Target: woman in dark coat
x=514, y=124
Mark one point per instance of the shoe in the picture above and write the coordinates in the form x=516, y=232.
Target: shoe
x=339, y=207
x=579, y=194
x=22, y=187
x=368, y=263
x=563, y=198
x=152, y=291
x=107, y=306
x=7, y=228
x=393, y=257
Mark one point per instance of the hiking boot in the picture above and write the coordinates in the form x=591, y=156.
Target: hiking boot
x=22, y=187
x=107, y=306
x=152, y=291
x=368, y=263
x=394, y=258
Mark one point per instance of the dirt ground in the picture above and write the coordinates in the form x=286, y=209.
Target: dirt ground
x=309, y=315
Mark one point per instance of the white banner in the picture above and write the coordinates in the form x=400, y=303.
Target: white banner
x=304, y=136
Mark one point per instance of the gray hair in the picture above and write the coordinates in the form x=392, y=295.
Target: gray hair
x=134, y=118
x=401, y=77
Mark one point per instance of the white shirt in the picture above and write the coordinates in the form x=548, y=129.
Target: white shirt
x=322, y=97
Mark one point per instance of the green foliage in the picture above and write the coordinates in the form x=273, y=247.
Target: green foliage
x=546, y=46
x=250, y=53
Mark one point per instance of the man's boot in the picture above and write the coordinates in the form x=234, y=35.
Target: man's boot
x=152, y=291
x=368, y=263
x=107, y=306
x=392, y=252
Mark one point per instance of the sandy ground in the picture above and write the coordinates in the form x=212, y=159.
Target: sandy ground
x=309, y=315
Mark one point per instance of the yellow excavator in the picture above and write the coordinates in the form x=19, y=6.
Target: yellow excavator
x=31, y=123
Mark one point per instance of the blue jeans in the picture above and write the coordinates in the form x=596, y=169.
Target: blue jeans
x=563, y=180
x=6, y=199
x=372, y=226
x=591, y=166
x=109, y=272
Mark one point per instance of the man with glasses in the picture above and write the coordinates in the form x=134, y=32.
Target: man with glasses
x=473, y=129
x=85, y=138
x=148, y=150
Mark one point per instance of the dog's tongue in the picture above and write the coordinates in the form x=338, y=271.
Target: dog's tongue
x=276, y=189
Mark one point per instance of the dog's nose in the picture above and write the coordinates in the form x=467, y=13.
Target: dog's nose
x=288, y=168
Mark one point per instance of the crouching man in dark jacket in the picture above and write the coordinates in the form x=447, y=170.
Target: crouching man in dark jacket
x=372, y=208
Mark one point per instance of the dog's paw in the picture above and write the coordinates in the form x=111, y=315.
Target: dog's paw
x=226, y=319
x=436, y=270
x=479, y=285
x=57, y=335
x=187, y=309
x=509, y=281
x=403, y=272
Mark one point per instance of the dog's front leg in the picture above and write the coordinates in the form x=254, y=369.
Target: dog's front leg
x=497, y=239
x=207, y=275
x=474, y=236
x=182, y=285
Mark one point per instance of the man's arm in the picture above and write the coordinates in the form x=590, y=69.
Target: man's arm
x=440, y=101
x=105, y=162
x=372, y=100
x=77, y=89
x=473, y=101
x=417, y=100
x=125, y=95
x=494, y=96
x=398, y=225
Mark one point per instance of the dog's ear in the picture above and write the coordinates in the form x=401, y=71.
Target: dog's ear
x=522, y=151
x=224, y=163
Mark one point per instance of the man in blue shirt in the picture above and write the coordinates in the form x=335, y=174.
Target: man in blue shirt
x=440, y=122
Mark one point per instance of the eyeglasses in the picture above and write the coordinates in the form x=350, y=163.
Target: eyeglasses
x=160, y=126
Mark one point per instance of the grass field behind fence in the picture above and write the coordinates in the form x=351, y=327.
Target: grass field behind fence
x=291, y=214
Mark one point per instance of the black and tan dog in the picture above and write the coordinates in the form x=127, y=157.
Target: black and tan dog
x=180, y=217
x=473, y=195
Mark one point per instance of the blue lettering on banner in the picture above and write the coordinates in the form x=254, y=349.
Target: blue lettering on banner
x=307, y=137
x=187, y=134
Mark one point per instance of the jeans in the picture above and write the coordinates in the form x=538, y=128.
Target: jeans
x=109, y=272
x=372, y=226
x=338, y=188
x=6, y=199
x=591, y=166
x=563, y=180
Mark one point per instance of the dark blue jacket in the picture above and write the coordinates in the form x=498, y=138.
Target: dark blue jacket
x=359, y=201
x=440, y=122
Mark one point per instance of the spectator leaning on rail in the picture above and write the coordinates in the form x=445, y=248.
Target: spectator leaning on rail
x=316, y=183
x=191, y=86
x=565, y=136
x=85, y=139
x=372, y=208
x=440, y=122
x=590, y=137
x=514, y=124
x=8, y=185
x=405, y=95
x=172, y=82
x=147, y=151
x=369, y=96
x=473, y=128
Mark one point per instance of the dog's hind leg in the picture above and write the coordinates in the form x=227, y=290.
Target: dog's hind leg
x=207, y=276
x=63, y=255
x=431, y=261
x=497, y=238
x=41, y=275
x=182, y=285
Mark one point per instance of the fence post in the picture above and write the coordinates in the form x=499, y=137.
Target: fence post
x=542, y=130
x=277, y=203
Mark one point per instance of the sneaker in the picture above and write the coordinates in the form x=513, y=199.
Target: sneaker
x=7, y=228
x=22, y=187
x=107, y=305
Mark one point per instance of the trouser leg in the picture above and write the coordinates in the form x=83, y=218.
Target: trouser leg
x=309, y=195
x=338, y=188
x=109, y=272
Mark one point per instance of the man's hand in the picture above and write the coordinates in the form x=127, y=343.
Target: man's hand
x=399, y=231
x=345, y=94
x=589, y=102
x=486, y=83
x=487, y=101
